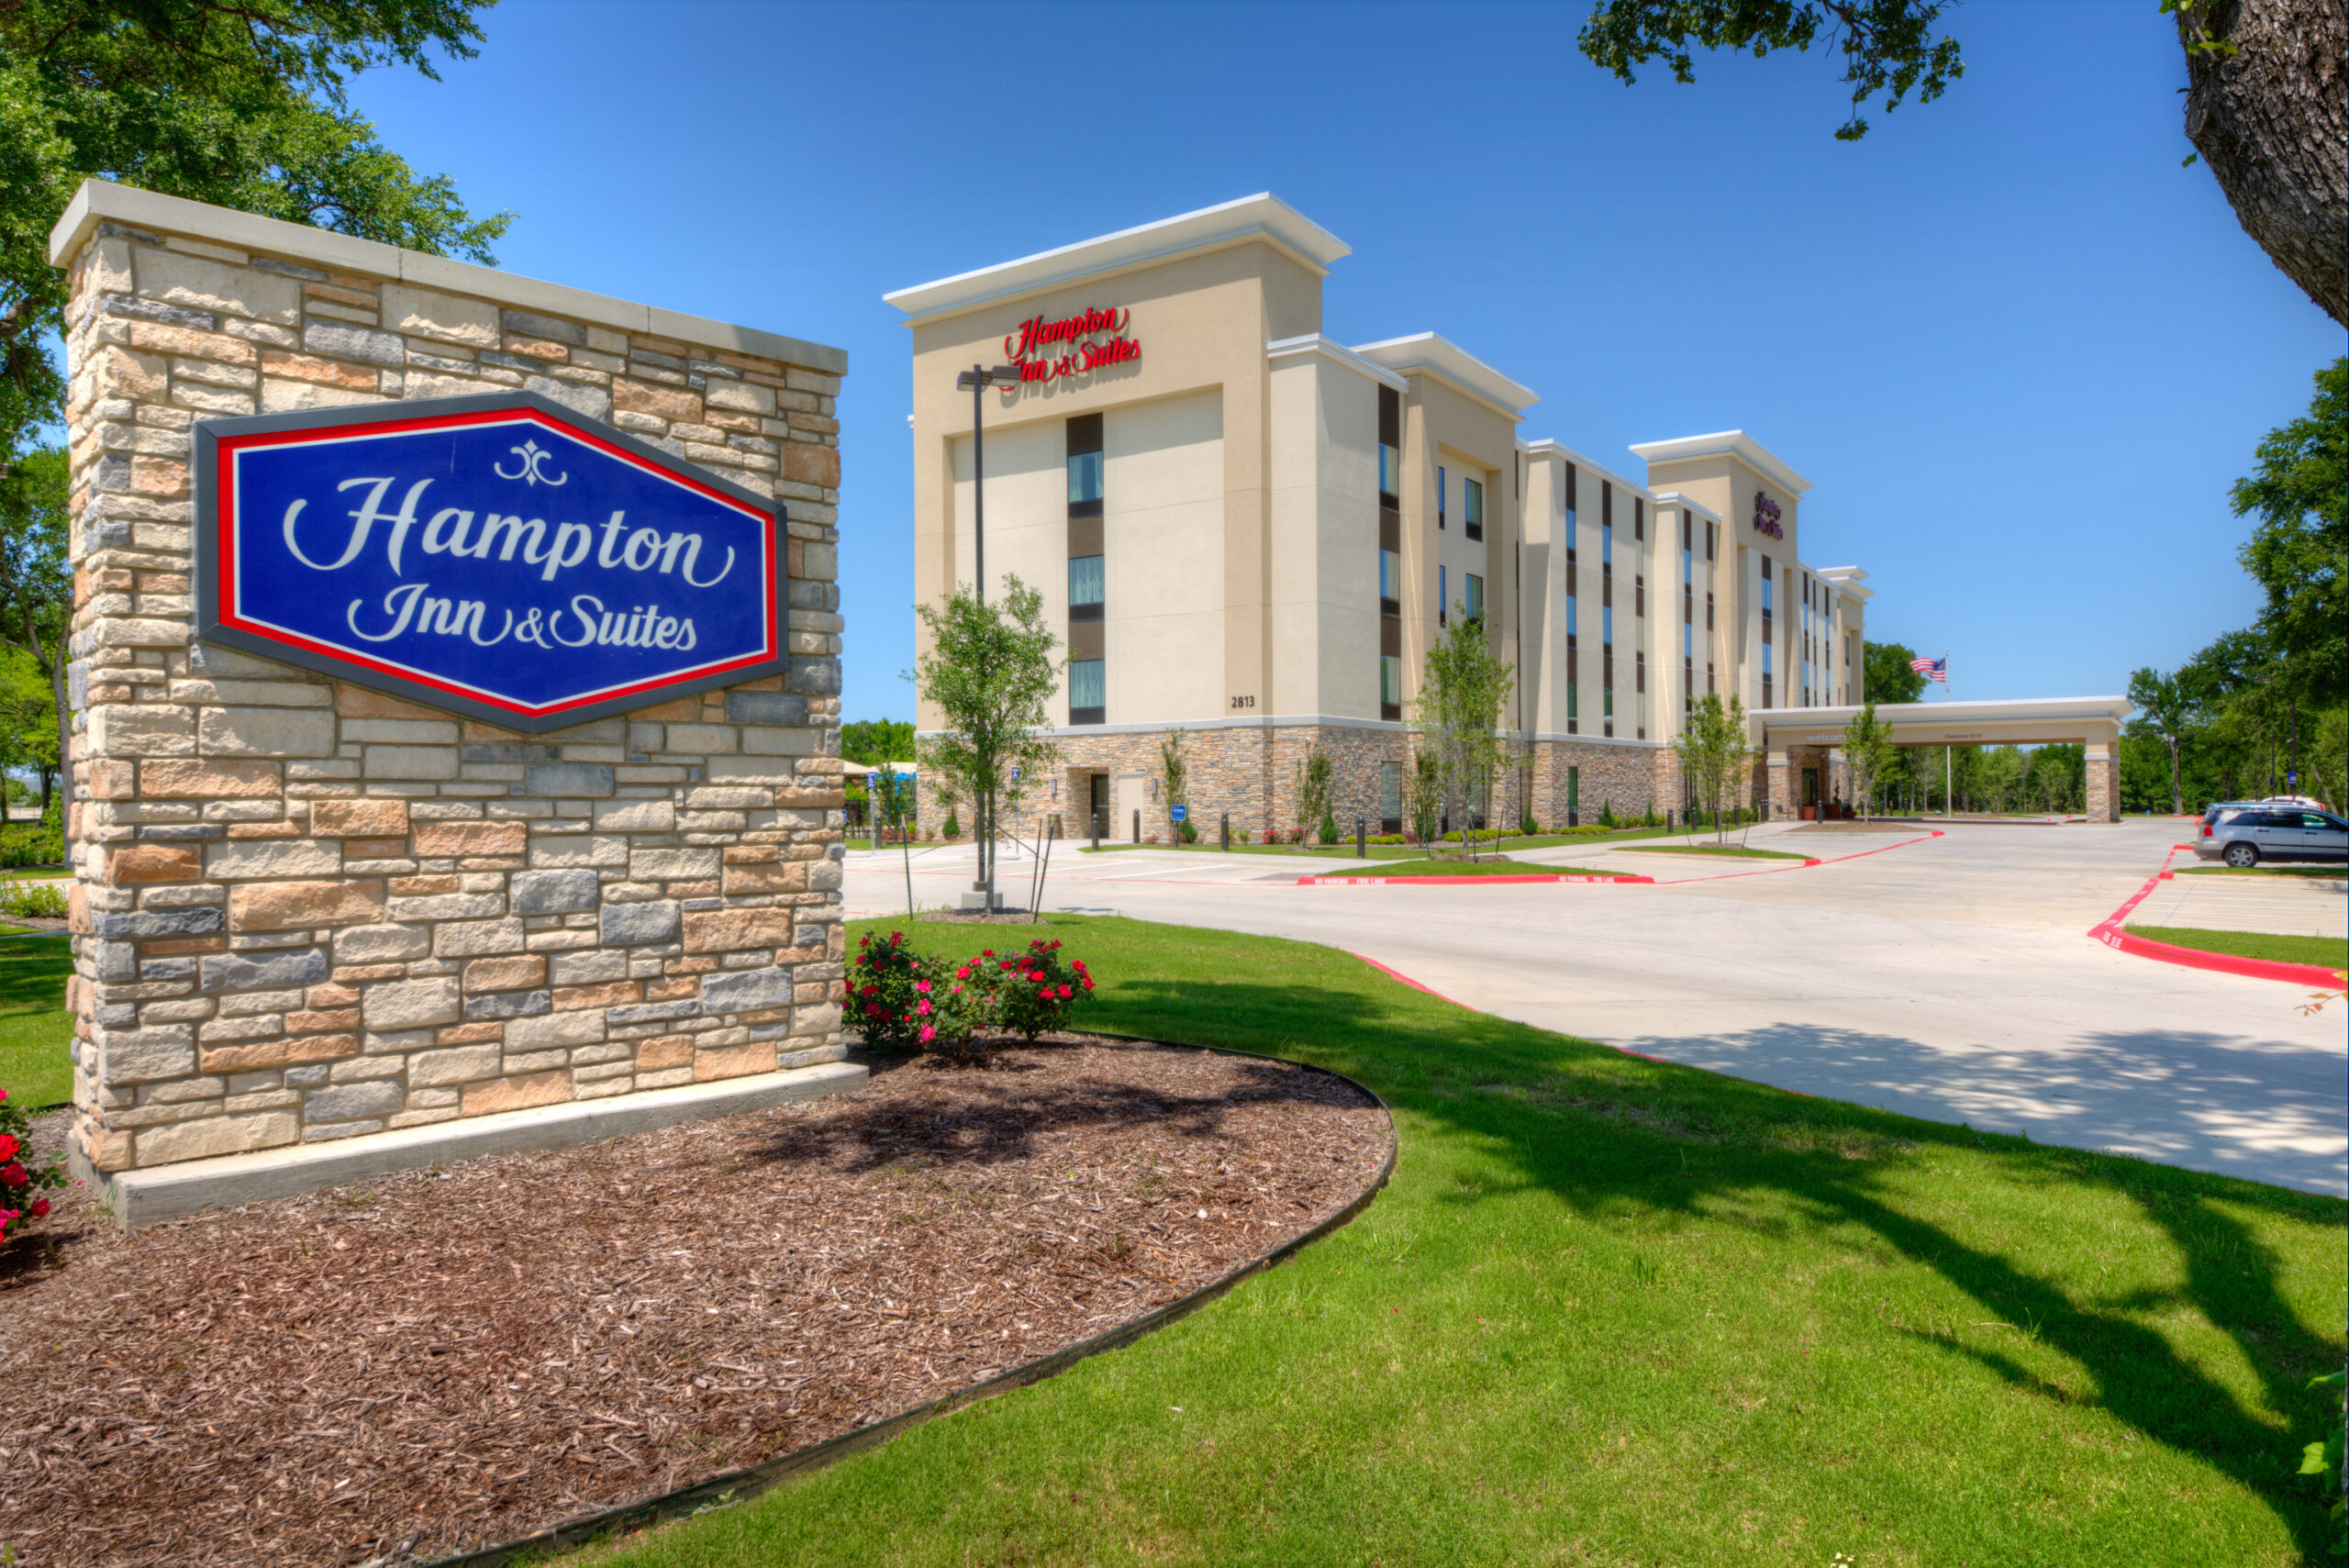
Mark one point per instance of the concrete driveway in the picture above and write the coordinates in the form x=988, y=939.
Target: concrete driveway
x=1949, y=978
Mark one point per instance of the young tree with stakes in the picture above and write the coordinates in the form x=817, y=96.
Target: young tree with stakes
x=1713, y=750
x=1867, y=753
x=1174, y=782
x=1458, y=715
x=989, y=672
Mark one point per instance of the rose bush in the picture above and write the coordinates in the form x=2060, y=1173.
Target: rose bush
x=1028, y=993
x=900, y=997
x=22, y=1201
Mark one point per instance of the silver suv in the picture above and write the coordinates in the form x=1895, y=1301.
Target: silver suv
x=2243, y=833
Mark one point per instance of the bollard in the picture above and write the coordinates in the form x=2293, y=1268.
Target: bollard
x=1223, y=831
x=1096, y=829
x=1360, y=848
x=1137, y=823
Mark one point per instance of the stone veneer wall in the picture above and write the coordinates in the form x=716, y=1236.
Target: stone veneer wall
x=1251, y=773
x=307, y=911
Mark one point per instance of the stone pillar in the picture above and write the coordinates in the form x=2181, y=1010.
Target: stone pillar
x=2103, y=781
x=307, y=911
x=1780, y=784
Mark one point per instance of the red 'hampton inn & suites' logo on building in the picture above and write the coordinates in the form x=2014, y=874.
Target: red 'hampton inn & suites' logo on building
x=1040, y=355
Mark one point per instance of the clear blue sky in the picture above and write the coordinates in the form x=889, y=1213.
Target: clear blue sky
x=2019, y=351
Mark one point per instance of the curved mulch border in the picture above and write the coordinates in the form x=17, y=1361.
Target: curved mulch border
x=741, y=1485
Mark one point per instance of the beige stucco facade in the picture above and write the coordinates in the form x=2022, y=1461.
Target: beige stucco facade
x=1250, y=564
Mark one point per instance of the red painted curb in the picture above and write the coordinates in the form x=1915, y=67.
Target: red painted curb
x=2109, y=932
x=1449, y=881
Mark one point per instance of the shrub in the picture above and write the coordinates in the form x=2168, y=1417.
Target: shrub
x=1388, y=839
x=1607, y=815
x=1527, y=826
x=1241, y=834
x=31, y=844
x=952, y=829
x=37, y=900
x=893, y=996
x=1026, y=993
x=1190, y=833
x=21, y=1198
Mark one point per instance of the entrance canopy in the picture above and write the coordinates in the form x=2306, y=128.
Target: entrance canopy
x=2025, y=721
x=1796, y=737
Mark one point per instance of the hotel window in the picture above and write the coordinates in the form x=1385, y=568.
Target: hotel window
x=1390, y=797
x=1475, y=595
x=1572, y=476
x=1390, y=582
x=1573, y=607
x=1391, y=681
x=1710, y=690
x=1087, y=692
x=1084, y=475
x=1472, y=506
x=1087, y=578
x=1443, y=596
x=1573, y=795
x=1570, y=561
x=1440, y=485
x=1390, y=449
x=1767, y=674
x=1606, y=628
x=1573, y=692
x=1709, y=609
x=1085, y=588
x=1640, y=671
x=1639, y=519
x=1638, y=593
x=1709, y=537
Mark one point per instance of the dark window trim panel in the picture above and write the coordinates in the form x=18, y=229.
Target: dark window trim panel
x=1084, y=508
x=1391, y=710
x=1088, y=715
x=1086, y=612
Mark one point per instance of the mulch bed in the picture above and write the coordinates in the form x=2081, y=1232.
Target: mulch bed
x=430, y=1362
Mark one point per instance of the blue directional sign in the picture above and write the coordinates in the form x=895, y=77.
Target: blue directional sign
x=501, y=556
x=1179, y=813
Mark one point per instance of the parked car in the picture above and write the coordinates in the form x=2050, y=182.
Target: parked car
x=2243, y=833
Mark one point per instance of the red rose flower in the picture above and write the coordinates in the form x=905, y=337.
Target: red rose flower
x=7, y=1146
x=41, y=1208
x=13, y=1175
x=1067, y=992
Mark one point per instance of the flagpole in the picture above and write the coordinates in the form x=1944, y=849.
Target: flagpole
x=1949, y=784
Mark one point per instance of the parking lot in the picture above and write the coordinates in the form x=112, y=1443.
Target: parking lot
x=1946, y=977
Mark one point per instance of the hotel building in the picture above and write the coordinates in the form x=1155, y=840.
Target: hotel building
x=1251, y=532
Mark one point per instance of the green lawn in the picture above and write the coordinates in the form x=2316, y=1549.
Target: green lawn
x=1469, y=868
x=1616, y=1312
x=2325, y=952
x=1715, y=849
x=34, y=1024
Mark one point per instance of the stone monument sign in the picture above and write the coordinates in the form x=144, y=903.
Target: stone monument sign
x=454, y=677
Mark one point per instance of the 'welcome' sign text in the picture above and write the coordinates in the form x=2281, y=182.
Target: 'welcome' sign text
x=499, y=556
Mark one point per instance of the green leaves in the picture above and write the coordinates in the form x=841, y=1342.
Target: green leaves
x=1461, y=696
x=989, y=671
x=237, y=104
x=1888, y=46
x=2300, y=552
x=1714, y=749
x=1884, y=674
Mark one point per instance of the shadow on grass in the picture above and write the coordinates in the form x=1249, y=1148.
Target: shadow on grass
x=1533, y=1098
x=1001, y=1115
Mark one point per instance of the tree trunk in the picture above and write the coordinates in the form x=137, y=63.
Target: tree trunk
x=2176, y=796
x=2271, y=118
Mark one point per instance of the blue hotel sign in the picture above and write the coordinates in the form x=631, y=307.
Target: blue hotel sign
x=501, y=557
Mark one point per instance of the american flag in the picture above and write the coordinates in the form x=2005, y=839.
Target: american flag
x=1932, y=668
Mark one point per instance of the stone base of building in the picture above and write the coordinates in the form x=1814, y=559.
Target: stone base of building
x=1253, y=776
x=150, y=1197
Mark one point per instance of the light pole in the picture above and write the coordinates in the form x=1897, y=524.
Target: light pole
x=978, y=378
